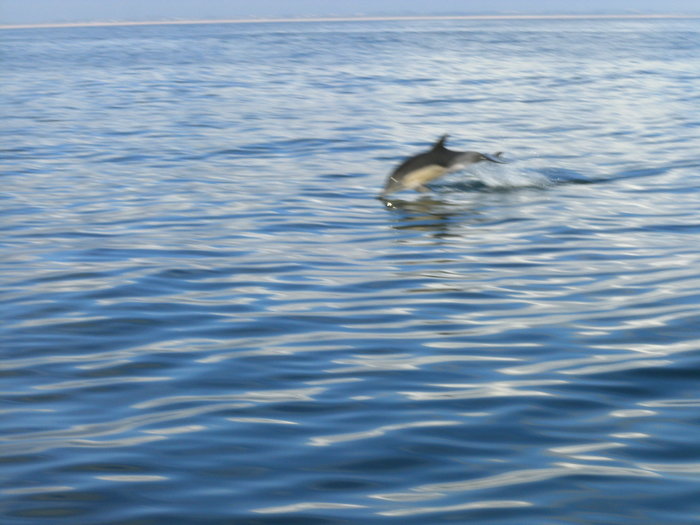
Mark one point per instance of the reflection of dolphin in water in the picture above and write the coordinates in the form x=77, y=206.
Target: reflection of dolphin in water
x=416, y=171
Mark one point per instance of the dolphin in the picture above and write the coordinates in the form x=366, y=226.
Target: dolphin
x=416, y=171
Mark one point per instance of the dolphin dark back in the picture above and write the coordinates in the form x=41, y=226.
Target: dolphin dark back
x=442, y=156
x=439, y=155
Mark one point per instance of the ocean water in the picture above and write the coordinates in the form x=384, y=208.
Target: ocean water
x=208, y=317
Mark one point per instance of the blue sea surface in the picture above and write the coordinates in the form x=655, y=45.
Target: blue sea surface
x=206, y=316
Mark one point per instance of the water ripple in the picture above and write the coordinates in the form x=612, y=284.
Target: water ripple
x=324, y=441
x=501, y=504
x=437, y=490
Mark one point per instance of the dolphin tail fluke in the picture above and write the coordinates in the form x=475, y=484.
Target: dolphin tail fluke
x=496, y=157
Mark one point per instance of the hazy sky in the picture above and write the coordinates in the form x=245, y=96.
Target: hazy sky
x=40, y=11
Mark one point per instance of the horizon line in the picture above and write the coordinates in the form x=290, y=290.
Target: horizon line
x=387, y=18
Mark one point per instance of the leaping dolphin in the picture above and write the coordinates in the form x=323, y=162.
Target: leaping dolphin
x=416, y=171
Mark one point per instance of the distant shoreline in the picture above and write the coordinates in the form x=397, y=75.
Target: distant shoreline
x=351, y=19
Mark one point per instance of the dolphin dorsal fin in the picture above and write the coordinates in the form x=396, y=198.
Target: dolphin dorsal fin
x=441, y=142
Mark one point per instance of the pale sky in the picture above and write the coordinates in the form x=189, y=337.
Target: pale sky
x=48, y=11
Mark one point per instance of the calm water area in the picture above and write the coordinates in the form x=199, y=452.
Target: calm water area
x=207, y=316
